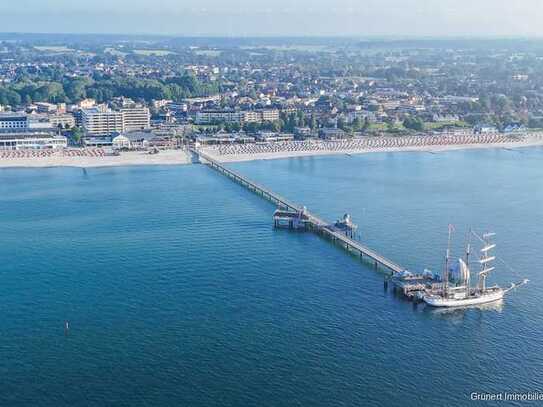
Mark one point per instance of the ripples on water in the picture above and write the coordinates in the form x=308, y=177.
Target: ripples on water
x=179, y=292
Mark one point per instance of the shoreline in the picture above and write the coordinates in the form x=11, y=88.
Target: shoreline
x=126, y=159
x=182, y=157
x=226, y=158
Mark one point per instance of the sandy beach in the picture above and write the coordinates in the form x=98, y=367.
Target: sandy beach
x=58, y=159
x=264, y=151
x=295, y=149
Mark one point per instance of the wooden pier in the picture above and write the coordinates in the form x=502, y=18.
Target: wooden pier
x=314, y=223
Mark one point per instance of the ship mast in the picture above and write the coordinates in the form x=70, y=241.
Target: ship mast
x=485, y=261
x=468, y=252
x=447, y=261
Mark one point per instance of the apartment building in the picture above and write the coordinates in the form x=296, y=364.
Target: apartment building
x=269, y=115
x=44, y=107
x=136, y=118
x=259, y=116
x=64, y=120
x=86, y=103
x=235, y=116
x=101, y=121
x=219, y=116
x=13, y=121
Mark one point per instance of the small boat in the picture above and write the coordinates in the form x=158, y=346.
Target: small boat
x=456, y=290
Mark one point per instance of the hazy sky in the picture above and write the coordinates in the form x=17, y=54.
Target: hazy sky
x=277, y=17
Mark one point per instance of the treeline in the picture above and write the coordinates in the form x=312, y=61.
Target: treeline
x=103, y=88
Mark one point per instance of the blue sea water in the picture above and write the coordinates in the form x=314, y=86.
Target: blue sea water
x=178, y=291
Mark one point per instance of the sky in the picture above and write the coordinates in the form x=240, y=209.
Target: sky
x=504, y=18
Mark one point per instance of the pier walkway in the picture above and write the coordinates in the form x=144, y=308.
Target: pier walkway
x=317, y=224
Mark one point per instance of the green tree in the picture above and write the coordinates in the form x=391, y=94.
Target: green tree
x=77, y=135
x=413, y=123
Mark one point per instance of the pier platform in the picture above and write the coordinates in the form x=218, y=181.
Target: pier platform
x=413, y=285
x=289, y=219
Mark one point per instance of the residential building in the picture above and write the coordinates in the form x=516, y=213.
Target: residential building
x=44, y=107
x=86, y=103
x=136, y=118
x=38, y=122
x=13, y=121
x=101, y=121
x=269, y=115
x=159, y=104
x=259, y=116
x=64, y=120
x=219, y=116
x=177, y=107
x=361, y=115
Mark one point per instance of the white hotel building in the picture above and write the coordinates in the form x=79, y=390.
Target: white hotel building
x=100, y=121
x=136, y=118
x=13, y=121
x=19, y=131
x=23, y=140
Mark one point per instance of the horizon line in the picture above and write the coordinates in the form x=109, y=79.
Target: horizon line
x=291, y=36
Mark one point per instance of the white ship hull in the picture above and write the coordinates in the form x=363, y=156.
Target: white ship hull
x=439, y=301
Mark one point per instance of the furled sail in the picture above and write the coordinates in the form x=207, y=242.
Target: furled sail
x=487, y=248
x=460, y=273
x=487, y=270
x=487, y=260
x=464, y=271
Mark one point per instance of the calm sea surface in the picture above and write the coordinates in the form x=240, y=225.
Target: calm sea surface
x=178, y=292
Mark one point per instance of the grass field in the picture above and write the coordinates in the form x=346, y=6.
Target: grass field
x=54, y=49
x=208, y=52
x=299, y=48
x=152, y=52
x=114, y=51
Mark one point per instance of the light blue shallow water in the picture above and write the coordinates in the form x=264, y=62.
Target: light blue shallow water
x=179, y=292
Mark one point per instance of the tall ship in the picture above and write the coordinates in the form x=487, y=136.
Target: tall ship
x=457, y=288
